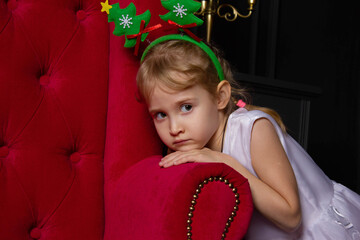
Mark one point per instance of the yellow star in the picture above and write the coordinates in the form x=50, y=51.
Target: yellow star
x=105, y=6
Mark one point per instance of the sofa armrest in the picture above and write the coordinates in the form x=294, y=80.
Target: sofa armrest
x=155, y=203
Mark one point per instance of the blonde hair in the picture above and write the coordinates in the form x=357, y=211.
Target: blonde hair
x=168, y=60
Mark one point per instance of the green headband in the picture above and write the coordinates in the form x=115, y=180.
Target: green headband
x=200, y=44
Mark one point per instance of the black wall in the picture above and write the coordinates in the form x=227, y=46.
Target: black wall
x=316, y=45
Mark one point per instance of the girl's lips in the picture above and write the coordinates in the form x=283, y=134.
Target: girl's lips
x=179, y=142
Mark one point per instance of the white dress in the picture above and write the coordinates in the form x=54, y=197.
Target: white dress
x=329, y=209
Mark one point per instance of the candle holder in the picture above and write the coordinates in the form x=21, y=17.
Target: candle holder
x=209, y=8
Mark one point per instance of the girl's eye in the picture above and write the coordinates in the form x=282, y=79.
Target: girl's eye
x=160, y=115
x=186, y=108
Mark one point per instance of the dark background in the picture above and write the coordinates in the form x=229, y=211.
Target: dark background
x=302, y=59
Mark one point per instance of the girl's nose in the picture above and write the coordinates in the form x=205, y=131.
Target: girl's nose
x=175, y=128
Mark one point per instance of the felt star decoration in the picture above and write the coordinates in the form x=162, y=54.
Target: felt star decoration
x=105, y=6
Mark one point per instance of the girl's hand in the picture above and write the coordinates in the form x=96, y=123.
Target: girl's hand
x=196, y=155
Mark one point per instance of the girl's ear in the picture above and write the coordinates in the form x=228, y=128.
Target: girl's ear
x=223, y=94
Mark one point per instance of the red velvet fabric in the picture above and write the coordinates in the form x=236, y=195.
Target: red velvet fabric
x=160, y=199
x=67, y=98
x=53, y=103
x=130, y=133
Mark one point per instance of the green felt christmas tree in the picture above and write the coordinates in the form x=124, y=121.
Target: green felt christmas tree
x=181, y=11
x=127, y=22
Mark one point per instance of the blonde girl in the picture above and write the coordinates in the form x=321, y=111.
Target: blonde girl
x=190, y=93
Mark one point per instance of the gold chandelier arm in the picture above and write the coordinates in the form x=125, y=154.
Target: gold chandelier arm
x=201, y=11
x=211, y=7
x=231, y=16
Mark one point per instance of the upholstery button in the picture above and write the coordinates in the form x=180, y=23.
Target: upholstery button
x=81, y=15
x=44, y=80
x=12, y=4
x=4, y=151
x=75, y=157
x=35, y=233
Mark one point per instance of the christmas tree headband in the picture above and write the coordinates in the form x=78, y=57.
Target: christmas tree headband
x=202, y=45
x=180, y=16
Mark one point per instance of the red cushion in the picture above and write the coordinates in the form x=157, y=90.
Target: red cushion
x=151, y=202
x=53, y=103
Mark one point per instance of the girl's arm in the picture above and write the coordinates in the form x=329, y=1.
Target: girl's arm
x=275, y=192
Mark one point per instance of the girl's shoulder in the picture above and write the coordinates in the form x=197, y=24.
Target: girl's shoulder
x=242, y=118
x=253, y=115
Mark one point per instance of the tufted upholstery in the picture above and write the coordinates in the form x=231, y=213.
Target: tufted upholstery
x=73, y=136
x=53, y=103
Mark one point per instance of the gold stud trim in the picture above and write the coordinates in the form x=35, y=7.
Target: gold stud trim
x=196, y=196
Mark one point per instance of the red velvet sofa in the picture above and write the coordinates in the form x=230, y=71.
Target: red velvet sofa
x=75, y=143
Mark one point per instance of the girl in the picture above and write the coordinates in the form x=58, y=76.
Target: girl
x=189, y=93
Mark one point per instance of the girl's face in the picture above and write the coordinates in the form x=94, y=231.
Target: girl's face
x=187, y=119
